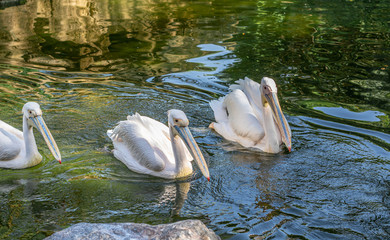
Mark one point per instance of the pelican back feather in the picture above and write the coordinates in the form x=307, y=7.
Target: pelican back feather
x=138, y=135
x=252, y=92
x=242, y=118
x=10, y=142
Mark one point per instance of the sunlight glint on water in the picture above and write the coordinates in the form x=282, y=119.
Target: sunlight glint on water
x=92, y=64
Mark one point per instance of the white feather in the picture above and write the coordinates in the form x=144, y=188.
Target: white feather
x=144, y=146
x=242, y=117
x=18, y=149
x=11, y=142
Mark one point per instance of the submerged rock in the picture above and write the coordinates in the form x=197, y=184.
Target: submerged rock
x=187, y=229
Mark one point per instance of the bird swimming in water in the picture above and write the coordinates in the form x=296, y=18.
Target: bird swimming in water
x=19, y=149
x=251, y=116
x=147, y=146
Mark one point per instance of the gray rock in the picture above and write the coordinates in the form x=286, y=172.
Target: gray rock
x=188, y=229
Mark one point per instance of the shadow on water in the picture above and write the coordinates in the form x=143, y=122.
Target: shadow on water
x=91, y=63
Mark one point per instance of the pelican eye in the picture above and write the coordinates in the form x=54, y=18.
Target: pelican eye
x=176, y=120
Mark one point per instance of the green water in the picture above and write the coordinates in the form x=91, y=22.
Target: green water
x=89, y=64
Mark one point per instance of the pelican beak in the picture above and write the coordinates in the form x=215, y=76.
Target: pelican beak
x=281, y=121
x=41, y=126
x=188, y=139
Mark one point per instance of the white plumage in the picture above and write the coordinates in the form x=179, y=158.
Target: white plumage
x=147, y=146
x=251, y=116
x=18, y=149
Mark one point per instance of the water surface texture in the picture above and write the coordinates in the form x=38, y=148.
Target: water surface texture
x=89, y=64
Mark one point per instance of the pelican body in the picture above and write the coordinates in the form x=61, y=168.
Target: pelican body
x=251, y=116
x=147, y=146
x=19, y=149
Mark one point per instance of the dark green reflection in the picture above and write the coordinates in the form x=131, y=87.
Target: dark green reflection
x=91, y=63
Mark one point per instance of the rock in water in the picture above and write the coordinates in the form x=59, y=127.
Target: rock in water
x=187, y=229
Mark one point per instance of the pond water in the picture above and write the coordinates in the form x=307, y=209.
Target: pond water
x=91, y=63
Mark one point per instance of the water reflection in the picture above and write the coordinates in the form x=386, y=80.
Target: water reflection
x=340, y=112
x=107, y=200
x=102, y=36
x=344, y=61
x=91, y=63
x=201, y=80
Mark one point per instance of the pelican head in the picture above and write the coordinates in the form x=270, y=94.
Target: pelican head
x=269, y=96
x=33, y=114
x=178, y=122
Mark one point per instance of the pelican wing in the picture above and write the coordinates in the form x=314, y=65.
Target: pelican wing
x=10, y=142
x=142, y=141
x=252, y=92
x=236, y=118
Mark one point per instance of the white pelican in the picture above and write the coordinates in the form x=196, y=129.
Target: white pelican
x=251, y=116
x=18, y=149
x=147, y=146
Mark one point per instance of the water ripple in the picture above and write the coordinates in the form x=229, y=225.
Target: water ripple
x=206, y=81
